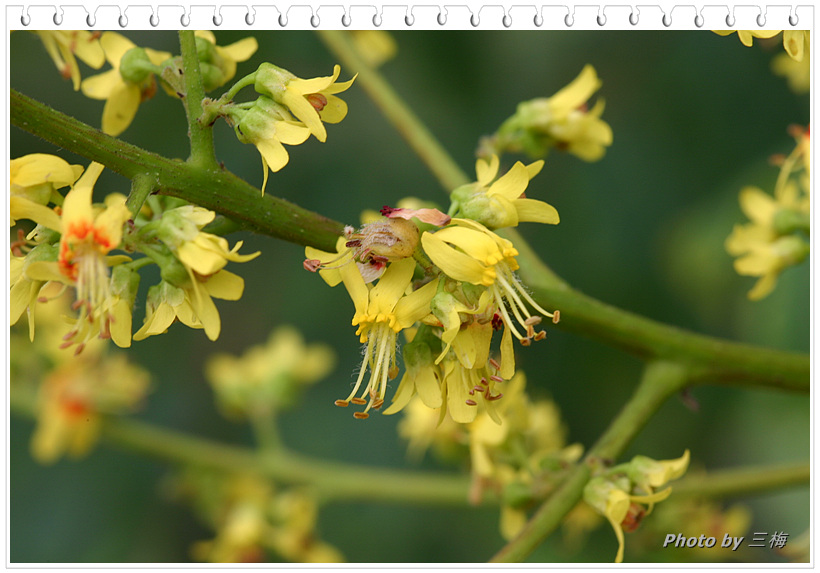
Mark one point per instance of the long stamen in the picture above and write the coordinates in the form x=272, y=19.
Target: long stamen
x=363, y=369
x=499, y=301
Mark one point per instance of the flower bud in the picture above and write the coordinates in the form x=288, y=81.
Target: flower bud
x=133, y=65
x=272, y=80
x=390, y=239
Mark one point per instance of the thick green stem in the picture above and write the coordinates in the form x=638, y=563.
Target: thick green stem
x=331, y=480
x=660, y=380
x=208, y=187
x=713, y=361
x=201, y=136
x=414, y=131
x=744, y=481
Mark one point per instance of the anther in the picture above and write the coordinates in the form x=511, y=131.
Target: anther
x=495, y=378
x=470, y=402
x=526, y=342
x=496, y=397
x=533, y=320
x=318, y=101
x=312, y=265
x=541, y=335
x=359, y=401
x=378, y=404
x=556, y=316
x=495, y=364
x=80, y=348
x=341, y=403
x=361, y=415
x=530, y=331
x=483, y=381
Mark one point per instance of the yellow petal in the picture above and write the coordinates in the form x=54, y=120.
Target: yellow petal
x=576, y=93
x=416, y=305
x=455, y=264
x=37, y=168
x=334, y=111
x=314, y=85
x=305, y=112
x=115, y=45
x=512, y=184
x=274, y=155
x=239, y=51
x=534, y=211
x=356, y=288
x=486, y=170
x=102, y=85
x=394, y=281
x=159, y=321
x=507, y=355
x=225, y=285
x=757, y=205
x=22, y=208
x=291, y=133
x=120, y=108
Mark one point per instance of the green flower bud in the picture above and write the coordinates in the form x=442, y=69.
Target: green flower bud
x=492, y=212
x=125, y=282
x=272, y=80
x=205, y=50
x=135, y=66
x=254, y=124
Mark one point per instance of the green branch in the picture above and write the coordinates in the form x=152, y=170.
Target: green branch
x=201, y=136
x=414, y=131
x=743, y=481
x=208, y=187
x=332, y=480
x=660, y=380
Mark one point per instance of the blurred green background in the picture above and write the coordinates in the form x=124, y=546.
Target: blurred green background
x=695, y=117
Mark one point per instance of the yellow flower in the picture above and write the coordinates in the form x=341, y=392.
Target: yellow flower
x=561, y=121
x=63, y=45
x=374, y=46
x=382, y=311
x=267, y=125
x=311, y=101
x=191, y=304
x=469, y=252
x=498, y=203
x=224, y=58
x=268, y=376
x=747, y=36
x=34, y=178
x=795, y=42
x=75, y=395
x=87, y=236
x=621, y=494
x=199, y=252
x=123, y=88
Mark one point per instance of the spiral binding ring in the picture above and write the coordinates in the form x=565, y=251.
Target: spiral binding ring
x=569, y=19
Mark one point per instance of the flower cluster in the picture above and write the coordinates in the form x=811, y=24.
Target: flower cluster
x=520, y=456
x=626, y=493
x=450, y=284
x=562, y=122
x=287, y=111
x=777, y=235
x=72, y=245
x=72, y=393
x=267, y=378
x=252, y=518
